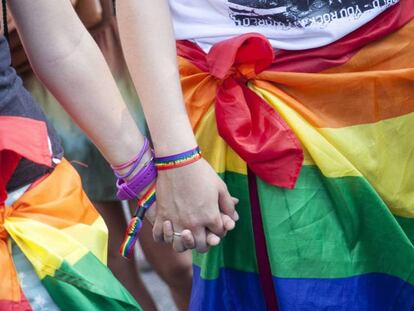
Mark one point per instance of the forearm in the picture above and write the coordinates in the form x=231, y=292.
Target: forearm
x=193, y=196
x=69, y=63
x=149, y=49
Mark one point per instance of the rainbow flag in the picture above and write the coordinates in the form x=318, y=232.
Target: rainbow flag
x=56, y=227
x=339, y=234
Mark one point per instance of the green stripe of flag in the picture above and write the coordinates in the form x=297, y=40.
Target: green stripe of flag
x=88, y=286
x=324, y=228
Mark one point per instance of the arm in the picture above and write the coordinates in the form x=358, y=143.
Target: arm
x=149, y=48
x=69, y=63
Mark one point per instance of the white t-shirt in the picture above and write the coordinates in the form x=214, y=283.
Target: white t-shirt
x=288, y=24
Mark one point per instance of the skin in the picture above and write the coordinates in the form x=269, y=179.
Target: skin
x=173, y=268
x=112, y=110
x=74, y=70
x=202, y=216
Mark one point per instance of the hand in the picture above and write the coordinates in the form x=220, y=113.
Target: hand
x=187, y=238
x=191, y=197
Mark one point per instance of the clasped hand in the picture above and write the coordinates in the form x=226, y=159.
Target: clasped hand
x=193, y=202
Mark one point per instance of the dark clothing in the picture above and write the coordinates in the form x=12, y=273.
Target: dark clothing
x=16, y=101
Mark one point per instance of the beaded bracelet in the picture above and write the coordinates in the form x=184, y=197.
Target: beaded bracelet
x=178, y=160
x=135, y=224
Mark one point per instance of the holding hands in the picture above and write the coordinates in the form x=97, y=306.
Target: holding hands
x=194, y=208
x=194, y=202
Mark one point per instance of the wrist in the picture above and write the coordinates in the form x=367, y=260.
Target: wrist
x=172, y=137
x=124, y=148
x=136, y=174
x=146, y=158
x=178, y=160
x=173, y=145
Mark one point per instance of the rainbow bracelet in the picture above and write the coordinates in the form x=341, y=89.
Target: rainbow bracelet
x=178, y=160
x=135, y=224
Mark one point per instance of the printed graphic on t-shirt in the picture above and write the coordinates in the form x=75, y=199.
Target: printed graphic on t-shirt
x=300, y=13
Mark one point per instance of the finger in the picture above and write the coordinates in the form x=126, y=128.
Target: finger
x=178, y=244
x=168, y=231
x=212, y=239
x=177, y=241
x=188, y=239
x=216, y=226
x=228, y=222
x=226, y=202
x=157, y=231
x=235, y=215
x=200, y=240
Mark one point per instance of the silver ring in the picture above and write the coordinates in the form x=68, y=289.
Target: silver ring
x=177, y=234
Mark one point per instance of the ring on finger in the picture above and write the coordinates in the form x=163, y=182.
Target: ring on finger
x=175, y=234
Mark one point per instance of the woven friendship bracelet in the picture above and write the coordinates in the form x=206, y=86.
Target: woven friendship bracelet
x=178, y=160
x=135, y=224
x=131, y=237
x=148, y=198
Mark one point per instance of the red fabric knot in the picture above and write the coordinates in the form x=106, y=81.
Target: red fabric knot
x=252, y=128
x=248, y=54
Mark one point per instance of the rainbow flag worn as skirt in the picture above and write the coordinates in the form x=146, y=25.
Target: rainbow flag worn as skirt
x=56, y=227
x=339, y=226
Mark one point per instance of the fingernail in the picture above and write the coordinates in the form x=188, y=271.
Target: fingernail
x=214, y=240
x=236, y=216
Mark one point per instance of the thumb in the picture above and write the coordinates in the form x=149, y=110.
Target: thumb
x=226, y=203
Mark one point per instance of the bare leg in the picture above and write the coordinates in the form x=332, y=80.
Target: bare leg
x=175, y=269
x=124, y=270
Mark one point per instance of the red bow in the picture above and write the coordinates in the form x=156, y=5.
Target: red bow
x=245, y=121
